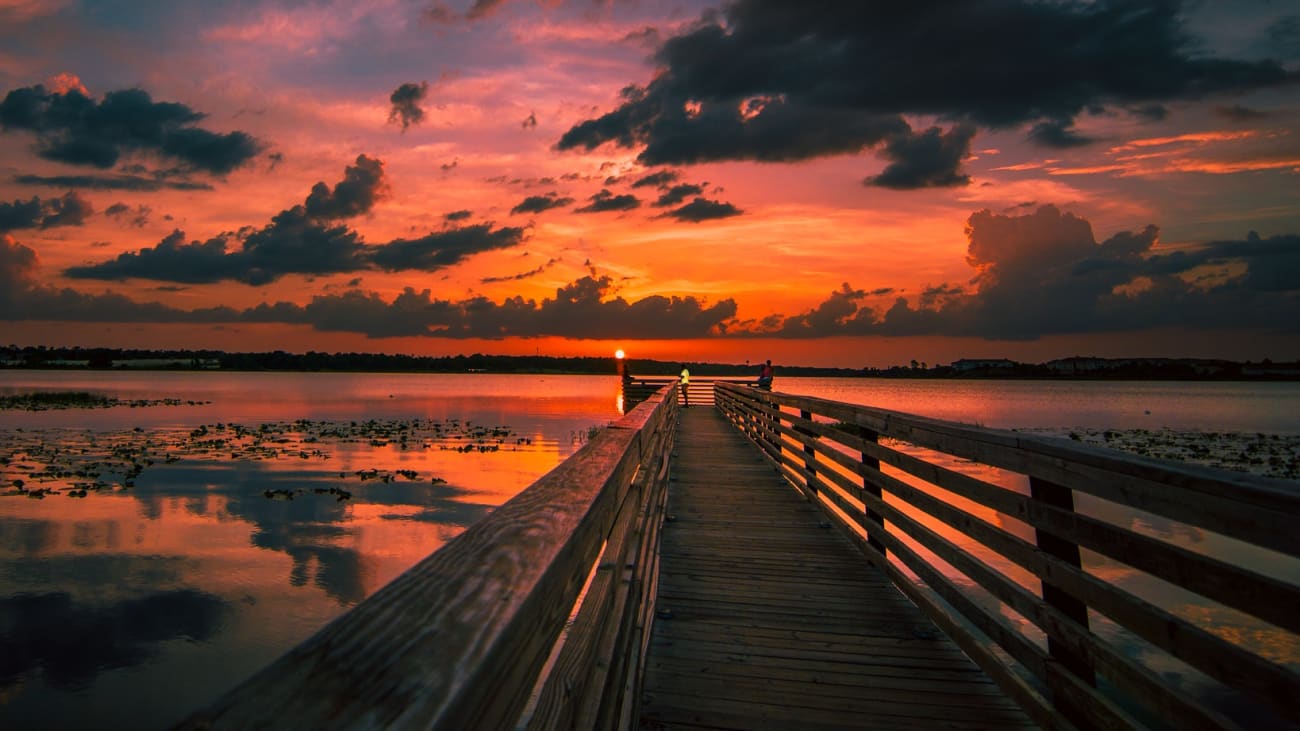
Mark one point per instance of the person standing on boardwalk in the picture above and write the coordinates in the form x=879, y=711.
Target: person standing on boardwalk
x=765, y=375
x=686, y=386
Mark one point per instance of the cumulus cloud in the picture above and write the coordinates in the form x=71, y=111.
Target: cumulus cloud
x=928, y=160
x=703, y=209
x=70, y=127
x=767, y=80
x=362, y=186
x=406, y=100
x=69, y=210
x=540, y=203
x=582, y=309
x=305, y=239
x=1044, y=273
x=674, y=195
x=606, y=201
x=656, y=180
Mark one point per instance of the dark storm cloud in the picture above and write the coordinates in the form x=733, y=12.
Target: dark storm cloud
x=75, y=129
x=703, y=209
x=362, y=186
x=606, y=201
x=112, y=182
x=69, y=210
x=928, y=160
x=771, y=80
x=540, y=203
x=1044, y=273
x=304, y=239
x=406, y=100
x=676, y=194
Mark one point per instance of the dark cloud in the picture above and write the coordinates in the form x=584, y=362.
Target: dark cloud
x=141, y=183
x=656, y=180
x=1283, y=37
x=540, y=203
x=138, y=217
x=1044, y=273
x=521, y=276
x=530, y=122
x=460, y=215
x=301, y=240
x=607, y=201
x=17, y=268
x=703, y=209
x=1238, y=113
x=444, y=248
x=931, y=159
x=72, y=128
x=69, y=210
x=676, y=194
x=405, y=101
x=771, y=80
x=1057, y=133
x=362, y=186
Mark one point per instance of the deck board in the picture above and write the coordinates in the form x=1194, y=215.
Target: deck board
x=767, y=619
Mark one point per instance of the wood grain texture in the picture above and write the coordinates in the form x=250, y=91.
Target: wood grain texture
x=457, y=641
x=1254, y=510
x=768, y=619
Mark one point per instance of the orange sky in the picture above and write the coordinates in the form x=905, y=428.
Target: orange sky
x=448, y=177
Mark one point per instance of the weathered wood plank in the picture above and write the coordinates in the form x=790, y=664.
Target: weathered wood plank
x=767, y=619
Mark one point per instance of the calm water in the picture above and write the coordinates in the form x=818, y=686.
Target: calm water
x=214, y=536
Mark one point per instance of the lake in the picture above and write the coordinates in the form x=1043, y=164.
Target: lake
x=155, y=554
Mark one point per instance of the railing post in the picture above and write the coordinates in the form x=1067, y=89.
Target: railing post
x=878, y=520
x=1062, y=497
x=809, y=453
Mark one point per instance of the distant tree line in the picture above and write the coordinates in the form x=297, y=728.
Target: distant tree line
x=1067, y=368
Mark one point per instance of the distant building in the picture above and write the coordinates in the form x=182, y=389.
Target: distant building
x=1079, y=364
x=981, y=364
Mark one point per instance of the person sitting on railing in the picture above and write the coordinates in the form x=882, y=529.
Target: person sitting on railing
x=765, y=375
x=686, y=386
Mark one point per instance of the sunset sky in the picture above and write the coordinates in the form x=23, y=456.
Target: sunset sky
x=819, y=183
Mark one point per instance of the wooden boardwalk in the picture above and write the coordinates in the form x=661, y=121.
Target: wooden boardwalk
x=769, y=619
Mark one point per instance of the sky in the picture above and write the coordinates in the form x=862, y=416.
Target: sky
x=816, y=182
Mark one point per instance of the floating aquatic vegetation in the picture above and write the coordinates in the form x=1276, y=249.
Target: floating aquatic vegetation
x=51, y=400
x=1269, y=455
x=38, y=463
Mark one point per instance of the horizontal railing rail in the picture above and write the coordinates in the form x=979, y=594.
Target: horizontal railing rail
x=700, y=389
x=980, y=527
x=538, y=616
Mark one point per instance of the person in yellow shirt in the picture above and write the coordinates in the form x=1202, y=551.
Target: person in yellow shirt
x=686, y=386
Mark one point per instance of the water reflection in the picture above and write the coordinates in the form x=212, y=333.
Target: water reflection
x=70, y=642
x=151, y=558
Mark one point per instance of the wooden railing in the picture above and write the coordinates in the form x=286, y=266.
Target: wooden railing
x=700, y=389
x=916, y=495
x=538, y=616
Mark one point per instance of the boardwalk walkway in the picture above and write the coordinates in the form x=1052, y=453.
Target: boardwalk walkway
x=769, y=620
